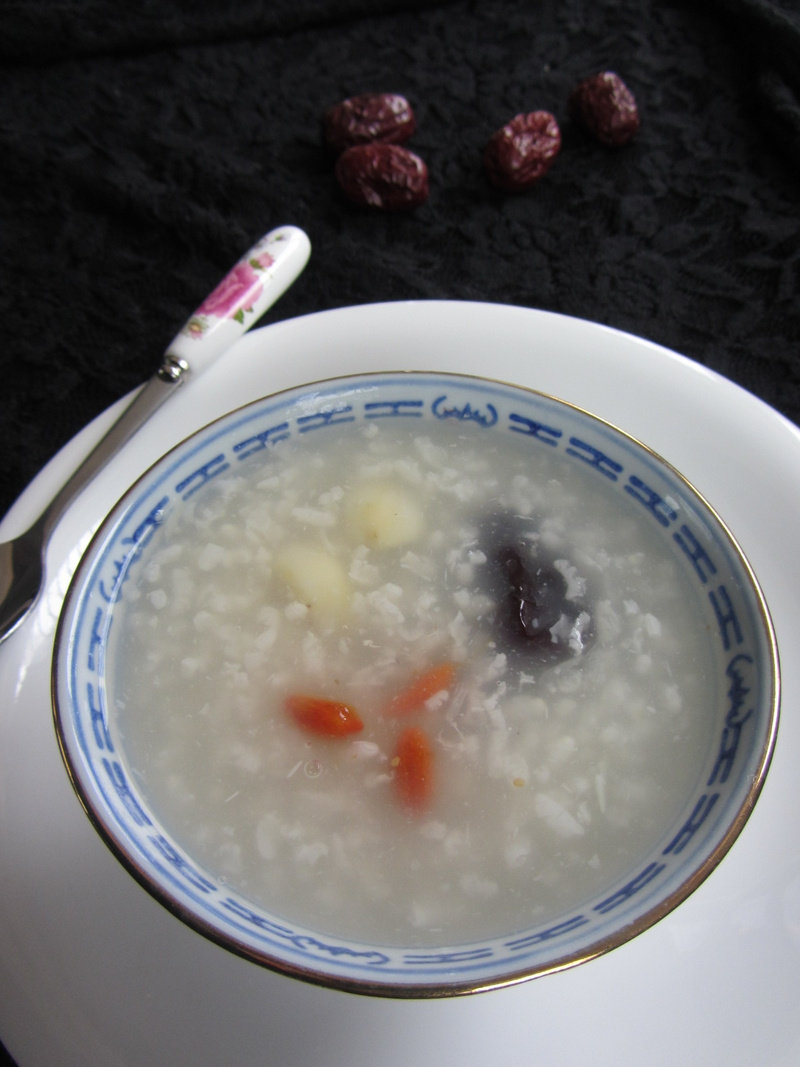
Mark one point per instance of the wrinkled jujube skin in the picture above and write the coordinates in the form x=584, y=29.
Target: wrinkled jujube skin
x=535, y=594
x=522, y=151
x=370, y=117
x=606, y=108
x=537, y=615
x=383, y=176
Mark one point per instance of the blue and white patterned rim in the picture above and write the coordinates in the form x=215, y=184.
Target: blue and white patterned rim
x=732, y=776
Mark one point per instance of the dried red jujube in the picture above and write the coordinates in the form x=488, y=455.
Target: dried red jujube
x=385, y=176
x=522, y=151
x=606, y=108
x=384, y=117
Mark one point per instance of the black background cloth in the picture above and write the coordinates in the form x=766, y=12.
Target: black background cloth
x=144, y=147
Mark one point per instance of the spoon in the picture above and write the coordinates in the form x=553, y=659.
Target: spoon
x=244, y=294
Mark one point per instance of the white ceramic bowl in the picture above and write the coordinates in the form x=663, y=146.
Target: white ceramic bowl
x=742, y=660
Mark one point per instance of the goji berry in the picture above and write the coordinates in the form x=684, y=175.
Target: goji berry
x=414, y=769
x=422, y=688
x=326, y=718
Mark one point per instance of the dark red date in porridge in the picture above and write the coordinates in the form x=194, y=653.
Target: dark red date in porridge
x=418, y=687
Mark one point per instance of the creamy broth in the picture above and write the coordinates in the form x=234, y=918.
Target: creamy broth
x=347, y=574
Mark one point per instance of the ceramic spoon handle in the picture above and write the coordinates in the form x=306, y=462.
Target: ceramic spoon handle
x=261, y=276
x=244, y=294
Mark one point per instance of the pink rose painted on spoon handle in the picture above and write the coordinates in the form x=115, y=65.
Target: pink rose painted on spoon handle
x=239, y=301
x=234, y=295
x=239, y=292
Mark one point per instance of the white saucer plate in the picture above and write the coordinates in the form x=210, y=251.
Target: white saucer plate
x=92, y=970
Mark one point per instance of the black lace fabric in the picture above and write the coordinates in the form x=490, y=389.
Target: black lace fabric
x=144, y=146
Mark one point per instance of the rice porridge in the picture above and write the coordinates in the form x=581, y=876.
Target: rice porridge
x=416, y=687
